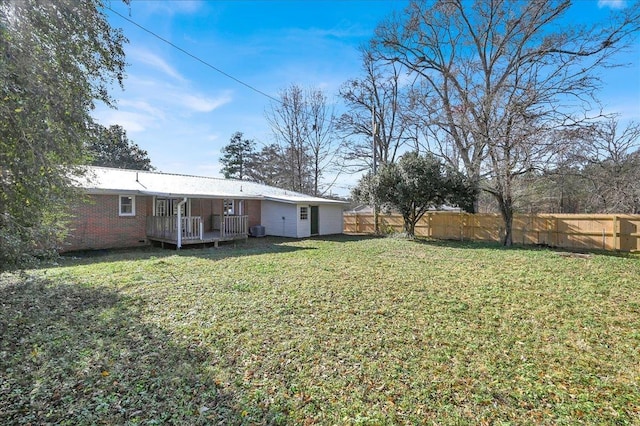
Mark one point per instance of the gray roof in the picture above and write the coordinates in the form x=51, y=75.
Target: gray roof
x=103, y=180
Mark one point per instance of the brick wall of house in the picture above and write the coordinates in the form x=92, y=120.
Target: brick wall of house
x=97, y=224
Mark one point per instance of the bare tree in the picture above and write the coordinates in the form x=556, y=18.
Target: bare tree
x=287, y=124
x=444, y=133
x=611, y=166
x=324, y=148
x=505, y=74
x=302, y=123
x=377, y=95
x=598, y=173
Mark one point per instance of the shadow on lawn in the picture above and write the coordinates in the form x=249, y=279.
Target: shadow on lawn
x=250, y=247
x=253, y=246
x=259, y=246
x=76, y=355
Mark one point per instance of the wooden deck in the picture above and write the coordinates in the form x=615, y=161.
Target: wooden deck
x=165, y=230
x=207, y=238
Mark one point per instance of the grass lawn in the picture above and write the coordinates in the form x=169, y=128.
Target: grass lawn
x=343, y=330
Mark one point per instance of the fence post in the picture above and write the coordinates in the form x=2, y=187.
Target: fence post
x=443, y=224
x=615, y=233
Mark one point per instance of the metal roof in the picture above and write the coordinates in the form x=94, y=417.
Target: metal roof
x=104, y=180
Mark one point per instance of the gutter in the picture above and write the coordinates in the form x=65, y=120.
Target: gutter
x=180, y=204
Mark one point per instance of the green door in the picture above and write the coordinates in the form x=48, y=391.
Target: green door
x=314, y=220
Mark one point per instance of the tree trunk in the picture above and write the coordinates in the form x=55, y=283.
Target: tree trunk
x=376, y=212
x=506, y=210
x=507, y=241
x=474, y=178
x=409, y=227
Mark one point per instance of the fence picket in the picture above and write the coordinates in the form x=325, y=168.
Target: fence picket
x=574, y=231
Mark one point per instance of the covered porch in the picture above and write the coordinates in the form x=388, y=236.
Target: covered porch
x=188, y=230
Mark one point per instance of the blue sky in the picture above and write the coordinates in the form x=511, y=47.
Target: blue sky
x=183, y=112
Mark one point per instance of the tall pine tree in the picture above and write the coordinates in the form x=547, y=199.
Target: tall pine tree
x=237, y=156
x=112, y=148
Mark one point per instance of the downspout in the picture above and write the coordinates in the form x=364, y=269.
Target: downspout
x=180, y=204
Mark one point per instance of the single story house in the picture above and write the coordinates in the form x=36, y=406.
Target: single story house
x=129, y=208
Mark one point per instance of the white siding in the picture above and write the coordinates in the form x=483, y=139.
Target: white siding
x=330, y=219
x=272, y=214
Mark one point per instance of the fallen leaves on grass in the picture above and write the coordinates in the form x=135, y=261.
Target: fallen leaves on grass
x=336, y=331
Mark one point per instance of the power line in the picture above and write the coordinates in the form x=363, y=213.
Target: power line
x=191, y=55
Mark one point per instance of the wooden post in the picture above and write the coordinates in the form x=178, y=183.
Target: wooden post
x=374, y=134
x=615, y=233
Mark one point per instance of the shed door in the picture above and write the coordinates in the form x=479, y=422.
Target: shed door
x=314, y=220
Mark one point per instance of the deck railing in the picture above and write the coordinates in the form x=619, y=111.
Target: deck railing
x=231, y=225
x=167, y=227
x=235, y=225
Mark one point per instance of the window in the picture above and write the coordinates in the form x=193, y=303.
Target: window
x=169, y=207
x=162, y=207
x=228, y=207
x=304, y=213
x=127, y=205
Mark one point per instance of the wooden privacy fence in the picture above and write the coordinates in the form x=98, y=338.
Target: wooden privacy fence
x=574, y=231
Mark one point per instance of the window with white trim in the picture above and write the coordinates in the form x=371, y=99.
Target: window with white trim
x=228, y=208
x=166, y=207
x=304, y=213
x=127, y=205
x=162, y=207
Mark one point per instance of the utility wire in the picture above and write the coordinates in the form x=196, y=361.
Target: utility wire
x=202, y=61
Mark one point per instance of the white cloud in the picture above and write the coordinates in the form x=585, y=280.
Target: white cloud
x=131, y=121
x=612, y=4
x=146, y=57
x=199, y=103
x=160, y=101
x=141, y=106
